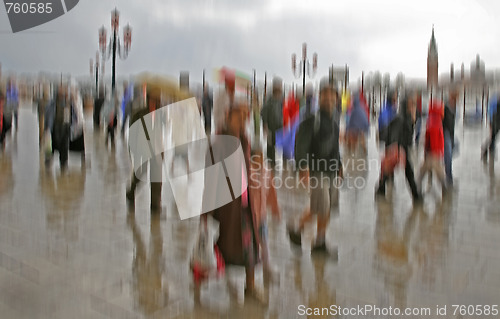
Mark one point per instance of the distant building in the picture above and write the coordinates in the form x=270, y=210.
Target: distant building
x=339, y=76
x=432, y=63
x=477, y=71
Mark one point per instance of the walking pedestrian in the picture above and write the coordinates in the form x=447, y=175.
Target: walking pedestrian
x=418, y=124
x=494, y=125
x=272, y=118
x=4, y=124
x=399, y=136
x=238, y=233
x=357, y=127
x=140, y=109
x=12, y=102
x=77, y=136
x=43, y=102
x=318, y=158
x=126, y=105
x=388, y=113
x=57, y=122
x=224, y=100
x=207, y=106
x=449, y=134
x=98, y=104
x=110, y=117
x=307, y=103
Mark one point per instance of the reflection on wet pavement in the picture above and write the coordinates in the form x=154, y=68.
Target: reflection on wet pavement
x=70, y=247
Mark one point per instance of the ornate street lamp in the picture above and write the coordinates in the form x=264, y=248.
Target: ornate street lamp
x=114, y=43
x=305, y=67
x=102, y=40
x=97, y=73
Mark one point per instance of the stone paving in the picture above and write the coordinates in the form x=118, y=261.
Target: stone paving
x=70, y=247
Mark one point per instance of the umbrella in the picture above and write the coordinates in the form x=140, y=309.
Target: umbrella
x=158, y=84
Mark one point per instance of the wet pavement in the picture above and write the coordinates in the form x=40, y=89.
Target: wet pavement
x=70, y=247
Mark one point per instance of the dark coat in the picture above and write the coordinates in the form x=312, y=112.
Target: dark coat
x=400, y=129
x=272, y=113
x=449, y=121
x=238, y=234
x=59, y=126
x=98, y=103
x=318, y=139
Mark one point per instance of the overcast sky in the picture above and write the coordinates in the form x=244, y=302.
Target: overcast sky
x=173, y=35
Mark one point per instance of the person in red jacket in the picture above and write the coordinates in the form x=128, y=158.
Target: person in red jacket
x=290, y=109
x=434, y=145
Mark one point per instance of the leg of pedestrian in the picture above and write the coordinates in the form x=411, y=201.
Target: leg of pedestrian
x=448, y=158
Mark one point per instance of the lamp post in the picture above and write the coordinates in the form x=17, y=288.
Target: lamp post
x=363, y=83
x=304, y=67
x=114, y=43
x=265, y=87
x=97, y=73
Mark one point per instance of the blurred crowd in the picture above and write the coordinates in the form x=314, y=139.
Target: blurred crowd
x=310, y=133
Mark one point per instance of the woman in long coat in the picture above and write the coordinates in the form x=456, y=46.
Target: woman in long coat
x=238, y=230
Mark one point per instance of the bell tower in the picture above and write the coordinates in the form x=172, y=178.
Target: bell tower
x=432, y=62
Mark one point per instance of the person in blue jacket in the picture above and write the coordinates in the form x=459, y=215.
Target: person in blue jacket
x=388, y=113
x=494, y=116
x=126, y=104
x=12, y=102
x=357, y=126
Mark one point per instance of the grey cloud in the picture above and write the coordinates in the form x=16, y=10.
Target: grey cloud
x=196, y=42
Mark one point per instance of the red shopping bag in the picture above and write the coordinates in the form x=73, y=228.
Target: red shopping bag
x=207, y=260
x=200, y=273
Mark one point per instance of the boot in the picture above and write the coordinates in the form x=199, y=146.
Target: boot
x=130, y=194
x=155, y=197
x=381, y=186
